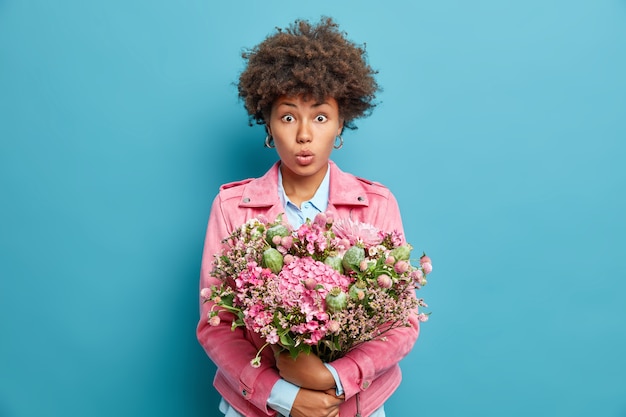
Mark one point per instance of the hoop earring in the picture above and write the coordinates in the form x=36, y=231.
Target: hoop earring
x=269, y=142
x=340, y=144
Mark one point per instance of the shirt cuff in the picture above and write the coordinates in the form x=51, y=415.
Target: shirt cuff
x=282, y=396
x=336, y=378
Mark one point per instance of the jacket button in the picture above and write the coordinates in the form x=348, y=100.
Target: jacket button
x=360, y=198
x=365, y=385
x=244, y=392
x=246, y=200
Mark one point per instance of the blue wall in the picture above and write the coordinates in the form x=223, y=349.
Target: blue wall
x=501, y=131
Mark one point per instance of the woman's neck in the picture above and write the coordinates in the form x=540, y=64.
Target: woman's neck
x=300, y=189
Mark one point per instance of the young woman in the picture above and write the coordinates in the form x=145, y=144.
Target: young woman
x=306, y=84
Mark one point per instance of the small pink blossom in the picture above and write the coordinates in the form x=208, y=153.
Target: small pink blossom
x=272, y=337
x=418, y=277
x=427, y=267
x=390, y=260
x=276, y=240
x=256, y=362
x=310, y=283
x=320, y=219
x=214, y=321
x=286, y=242
x=401, y=267
x=333, y=326
x=424, y=259
x=384, y=281
x=363, y=265
x=206, y=293
x=288, y=258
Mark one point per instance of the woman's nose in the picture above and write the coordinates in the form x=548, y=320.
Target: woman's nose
x=304, y=133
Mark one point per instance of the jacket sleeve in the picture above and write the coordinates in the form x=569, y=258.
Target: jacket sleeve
x=362, y=365
x=231, y=350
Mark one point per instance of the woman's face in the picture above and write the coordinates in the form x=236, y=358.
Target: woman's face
x=304, y=133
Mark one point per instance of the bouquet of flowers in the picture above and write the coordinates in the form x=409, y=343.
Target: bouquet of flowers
x=323, y=288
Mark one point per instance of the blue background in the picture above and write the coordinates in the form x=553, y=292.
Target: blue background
x=501, y=130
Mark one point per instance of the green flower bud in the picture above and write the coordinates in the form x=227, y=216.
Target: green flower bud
x=278, y=230
x=352, y=258
x=402, y=253
x=273, y=260
x=336, y=299
x=335, y=263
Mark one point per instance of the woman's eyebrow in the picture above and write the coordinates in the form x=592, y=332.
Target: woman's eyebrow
x=291, y=104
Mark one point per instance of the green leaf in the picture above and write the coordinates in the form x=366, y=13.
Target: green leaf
x=286, y=341
x=294, y=352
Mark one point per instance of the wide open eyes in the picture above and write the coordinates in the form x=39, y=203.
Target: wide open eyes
x=289, y=118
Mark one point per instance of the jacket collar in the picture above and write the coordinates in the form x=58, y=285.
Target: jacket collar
x=345, y=189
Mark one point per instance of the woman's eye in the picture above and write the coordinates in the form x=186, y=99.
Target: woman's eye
x=321, y=118
x=287, y=118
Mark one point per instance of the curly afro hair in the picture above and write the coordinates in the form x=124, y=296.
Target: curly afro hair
x=314, y=61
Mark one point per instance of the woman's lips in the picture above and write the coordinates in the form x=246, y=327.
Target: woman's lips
x=304, y=158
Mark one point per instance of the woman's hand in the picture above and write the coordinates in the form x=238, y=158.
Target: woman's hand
x=306, y=371
x=310, y=403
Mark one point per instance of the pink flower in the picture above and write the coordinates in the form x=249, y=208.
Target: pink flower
x=401, y=267
x=206, y=293
x=286, y=242
x=214, y=321
x=356, y=231
x=427, y=267
x=310, y=283
x=363, y=265
x=320, y=219
x=316, y=336
x=256, y=362
x=384, y=281
x=272, y=338
x=312, y=325
x=418, y=277
x=333, y=326
x=425, y=259
x=396, y=238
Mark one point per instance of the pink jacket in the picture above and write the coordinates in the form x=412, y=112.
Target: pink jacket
x=370, y=369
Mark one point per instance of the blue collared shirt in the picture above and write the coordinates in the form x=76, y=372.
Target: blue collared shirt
x=308, y=209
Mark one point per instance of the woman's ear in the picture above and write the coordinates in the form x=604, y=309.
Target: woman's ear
x=340, y=130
